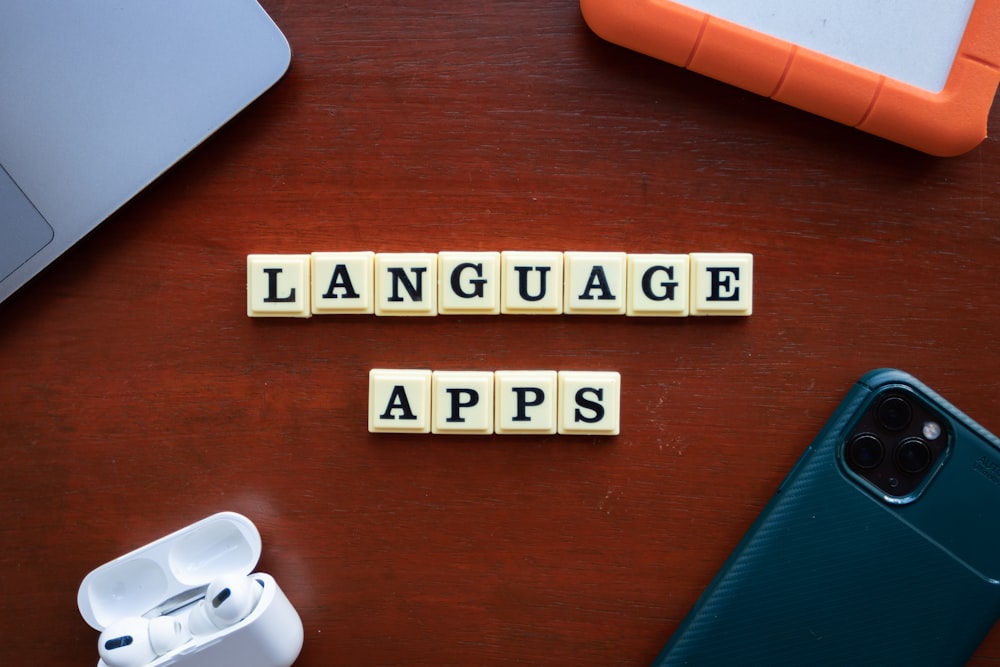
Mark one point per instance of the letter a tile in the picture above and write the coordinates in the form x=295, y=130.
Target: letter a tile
x=342, y=282
x=399, y=401
x=594, y=283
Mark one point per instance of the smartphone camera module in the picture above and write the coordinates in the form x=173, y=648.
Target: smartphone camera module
x=895, y=444
x=894, y=413
x=913, y=455
x=865, y=451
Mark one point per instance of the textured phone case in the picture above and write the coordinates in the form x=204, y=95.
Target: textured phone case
x=829, y=574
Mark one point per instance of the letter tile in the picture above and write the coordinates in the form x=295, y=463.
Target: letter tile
x=399, y=401
x=278, y=286
x=589, y=402
x=526, y=402
x=721, y=283
x=342, y=282
x=531, y=283
x=462, y=402
x=406, y=283
x=469, y=283
x=594, y=283
x=658, y=285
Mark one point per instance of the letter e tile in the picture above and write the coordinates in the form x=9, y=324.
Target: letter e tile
x=721, y=283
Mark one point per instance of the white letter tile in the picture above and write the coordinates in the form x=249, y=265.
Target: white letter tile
x=343, y=282
x=532, y=283
x=469, y=283
x=278, y=286
x=526, y=402
x=463, y=402
x=406, y=283
x=594, y=283
x=721, y=283
x=658, y=285
x=399, y=401
x=589, y=402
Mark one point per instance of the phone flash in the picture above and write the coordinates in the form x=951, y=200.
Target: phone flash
x=932, y=430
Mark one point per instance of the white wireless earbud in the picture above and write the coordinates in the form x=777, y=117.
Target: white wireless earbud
x=228, y=600
x=133, y=642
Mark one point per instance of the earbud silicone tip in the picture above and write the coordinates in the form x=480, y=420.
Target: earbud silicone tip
x=199, y=623
x=167, y=633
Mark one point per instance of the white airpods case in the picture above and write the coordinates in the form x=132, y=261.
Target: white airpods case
x=170, y=575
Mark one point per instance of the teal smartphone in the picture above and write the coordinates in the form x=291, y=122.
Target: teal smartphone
x=880, y=547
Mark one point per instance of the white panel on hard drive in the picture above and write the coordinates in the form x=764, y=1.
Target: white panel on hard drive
x=914, y=41
x=101, y=97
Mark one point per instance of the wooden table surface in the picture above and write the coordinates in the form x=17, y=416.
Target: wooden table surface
x=138, y=397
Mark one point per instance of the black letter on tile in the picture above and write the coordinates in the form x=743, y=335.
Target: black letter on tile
x=272, y=288
x=585, y=402
x=399, y=276
x=457, y=403
x=477, y=283
x=522, y=282
x=597, y=280
x=341, y=279
x=523, y=402
x=647, y=284
x=398, y=401
x=719, y=283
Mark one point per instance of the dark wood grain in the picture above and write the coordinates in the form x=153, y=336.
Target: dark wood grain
x=136, y=395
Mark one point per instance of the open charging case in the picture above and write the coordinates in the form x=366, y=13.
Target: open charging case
x=170, y=575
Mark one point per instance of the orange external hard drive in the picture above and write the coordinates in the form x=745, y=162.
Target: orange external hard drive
x=923, y=73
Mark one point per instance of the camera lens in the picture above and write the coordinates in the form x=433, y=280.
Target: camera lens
x=913, y=456
x=894, y=413
x=865, y=451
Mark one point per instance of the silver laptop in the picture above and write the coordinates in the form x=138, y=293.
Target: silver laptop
x=99, y=97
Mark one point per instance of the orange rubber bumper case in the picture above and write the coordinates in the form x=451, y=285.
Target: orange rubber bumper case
x=946, y=122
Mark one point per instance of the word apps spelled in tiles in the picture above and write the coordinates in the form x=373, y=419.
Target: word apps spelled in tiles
x=506, y=402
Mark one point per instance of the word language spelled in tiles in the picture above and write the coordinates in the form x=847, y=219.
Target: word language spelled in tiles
x=486, y=402
x=491, y=283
